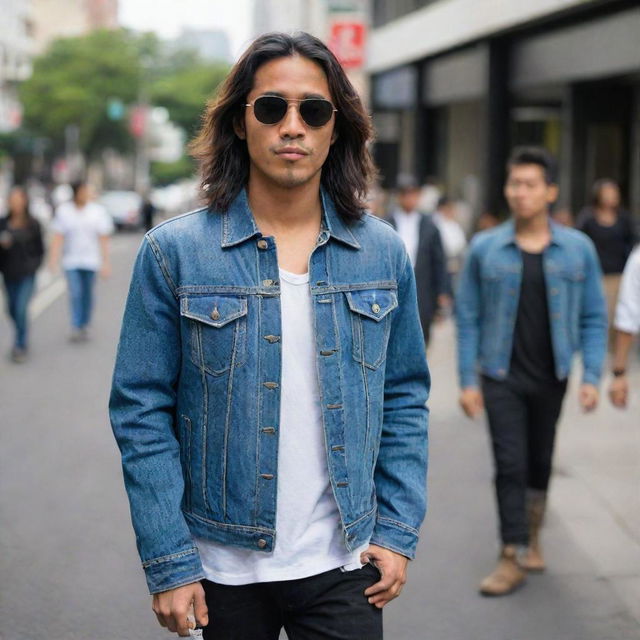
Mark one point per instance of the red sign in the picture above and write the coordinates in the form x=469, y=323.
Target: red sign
x=138, y=121
x=347, y=43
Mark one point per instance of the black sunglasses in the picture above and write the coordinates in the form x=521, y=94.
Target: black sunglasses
x=316, y=112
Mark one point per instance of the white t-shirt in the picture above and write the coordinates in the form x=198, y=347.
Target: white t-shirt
x=408, y=226
x=309, y=537
x=81, y=228
x=454, y=241
x=628, y=308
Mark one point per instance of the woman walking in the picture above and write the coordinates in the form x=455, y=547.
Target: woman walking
x=21, y=252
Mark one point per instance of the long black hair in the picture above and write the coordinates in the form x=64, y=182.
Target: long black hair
x=224, y=159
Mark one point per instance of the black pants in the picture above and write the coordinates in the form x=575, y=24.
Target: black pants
x=522, y=424
x=328, y=606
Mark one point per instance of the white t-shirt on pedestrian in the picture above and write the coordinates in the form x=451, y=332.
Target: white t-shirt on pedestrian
x=454, y=241
x=309, y=537
x=408, y=226
x=627, y=317
x=82, y=228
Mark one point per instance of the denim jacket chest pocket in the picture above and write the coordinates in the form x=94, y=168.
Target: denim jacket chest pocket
x=370, y=323
x=217, y=331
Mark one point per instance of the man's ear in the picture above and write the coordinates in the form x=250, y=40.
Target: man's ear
x=238, y=128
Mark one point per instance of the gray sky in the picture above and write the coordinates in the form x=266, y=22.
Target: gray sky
x=168, y=17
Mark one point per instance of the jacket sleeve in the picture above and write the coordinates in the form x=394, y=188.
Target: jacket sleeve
x=593, y=319
x=401, y=469
x=142, y=410
x=468, y=306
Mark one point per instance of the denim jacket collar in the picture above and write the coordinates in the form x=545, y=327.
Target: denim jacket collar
x=508, y=233
x=238, y=223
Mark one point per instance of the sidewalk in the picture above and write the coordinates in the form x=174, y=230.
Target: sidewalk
x=595, y=490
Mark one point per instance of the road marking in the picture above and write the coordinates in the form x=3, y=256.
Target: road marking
x=45, y=298
x=55, y=286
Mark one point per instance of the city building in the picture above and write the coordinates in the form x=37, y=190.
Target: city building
x=210, y=44
x=15, y=59
x=66, y=18
x=455, y=84
x=341, y=24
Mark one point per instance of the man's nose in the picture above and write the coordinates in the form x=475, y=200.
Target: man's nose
x=292, y=125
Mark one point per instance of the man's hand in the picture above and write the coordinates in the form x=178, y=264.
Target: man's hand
x=105, y=270
x=588, y=397
x=619, y=392
x=174, y=606
x=393, y=569
x=471, y=401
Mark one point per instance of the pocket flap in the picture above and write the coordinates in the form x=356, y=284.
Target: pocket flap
x=372, y=303
x=216, y=311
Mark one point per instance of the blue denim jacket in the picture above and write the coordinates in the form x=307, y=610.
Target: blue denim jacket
x=195, y=402
x=489, y=291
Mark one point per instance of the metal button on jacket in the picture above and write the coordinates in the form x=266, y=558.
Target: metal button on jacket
x=262, y=244
x=262, y=543
x=215, y=314
x=375, y=307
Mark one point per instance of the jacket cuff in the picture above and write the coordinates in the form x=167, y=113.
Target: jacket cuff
x=395, y=536
x=591, y=377
x=175, y=570
x=468, y=379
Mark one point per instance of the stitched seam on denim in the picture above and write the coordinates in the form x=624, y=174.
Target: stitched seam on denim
x=176, y=218
x=194, y=578
x=400, y=525
x=359, y=286
x=163, y=267
x=259, y=397
x=205, y=426
x=361, y=518
x=385, y=545
x=227, y=421
x=239, y=528
x=169, y=558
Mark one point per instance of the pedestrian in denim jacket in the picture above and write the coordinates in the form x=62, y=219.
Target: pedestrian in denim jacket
x=269, y=395
x=530, y=297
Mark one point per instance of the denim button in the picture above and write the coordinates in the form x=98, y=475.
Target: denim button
x=375, y=308
x=215, y=314
x=263, y=244
x=262, y=543
x=267, y=283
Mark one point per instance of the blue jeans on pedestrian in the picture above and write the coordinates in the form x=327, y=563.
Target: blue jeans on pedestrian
x=19, y=293
x=81, y=282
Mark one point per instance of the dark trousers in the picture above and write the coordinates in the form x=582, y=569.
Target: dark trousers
x=327, y=606
x=19, y=293
x=522, y=424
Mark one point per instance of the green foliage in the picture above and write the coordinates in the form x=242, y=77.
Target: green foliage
x=72, y=83
x=185, y=89
x=163, y=173
x=76, y=79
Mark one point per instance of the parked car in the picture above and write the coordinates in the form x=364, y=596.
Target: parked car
x=123, y=207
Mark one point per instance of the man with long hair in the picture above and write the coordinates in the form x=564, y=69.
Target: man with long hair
x=269, y=395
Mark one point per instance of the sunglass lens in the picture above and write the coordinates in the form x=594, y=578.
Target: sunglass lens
x=270, y=109
x=316, y=113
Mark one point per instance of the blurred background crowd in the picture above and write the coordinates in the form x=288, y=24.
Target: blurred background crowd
x=98, y=102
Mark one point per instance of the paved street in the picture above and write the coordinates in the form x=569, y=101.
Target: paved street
x=68, y=564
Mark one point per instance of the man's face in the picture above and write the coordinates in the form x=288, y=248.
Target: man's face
x=527, y=191
x=288, y=153
x=408, y=199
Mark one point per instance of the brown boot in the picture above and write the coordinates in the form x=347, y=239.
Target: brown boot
x=507, y=576
x=536, y=505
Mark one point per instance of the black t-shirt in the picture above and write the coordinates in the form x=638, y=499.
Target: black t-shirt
x=532, y=360
x=613, y=243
